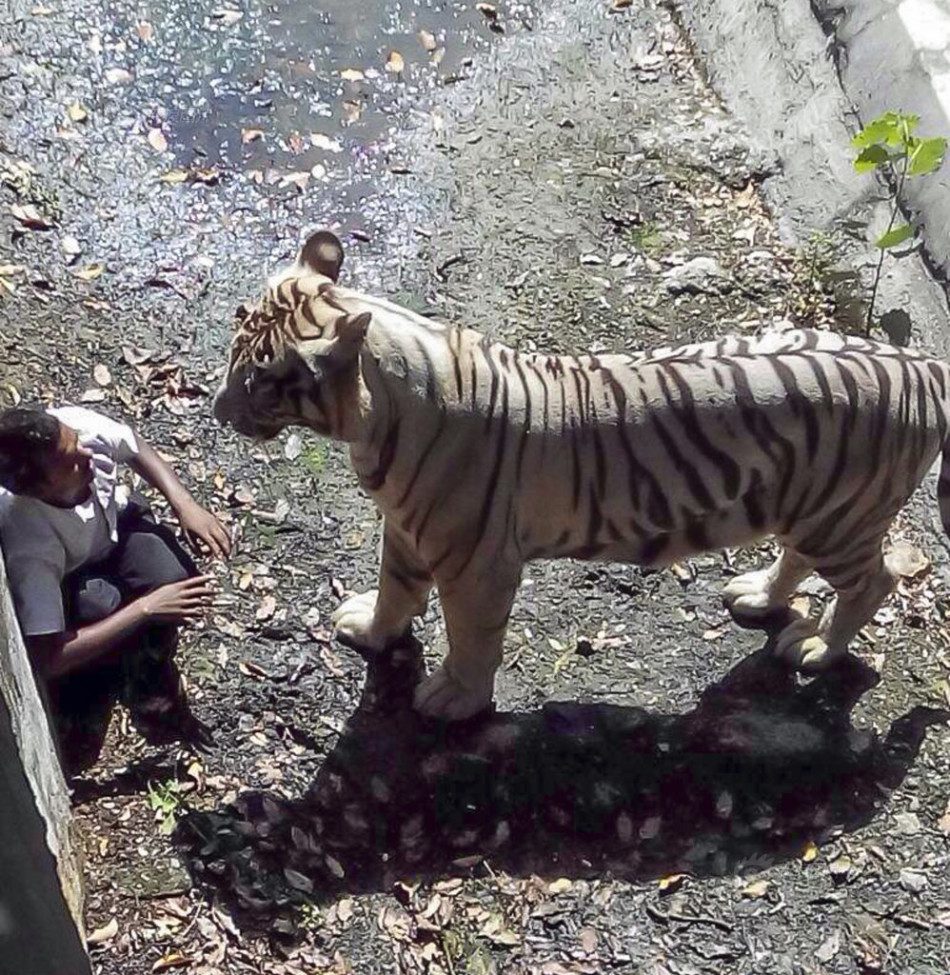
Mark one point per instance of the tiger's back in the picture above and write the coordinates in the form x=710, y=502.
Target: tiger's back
x=798, y=435
x=652, y=457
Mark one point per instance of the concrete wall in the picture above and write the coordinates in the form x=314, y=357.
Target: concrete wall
x=773, y=66
x=41, y=889
x=895, y=54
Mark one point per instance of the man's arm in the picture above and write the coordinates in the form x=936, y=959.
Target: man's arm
x=195, y=520
x=58, y=654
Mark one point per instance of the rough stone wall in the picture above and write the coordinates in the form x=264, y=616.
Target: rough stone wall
x=41, y=891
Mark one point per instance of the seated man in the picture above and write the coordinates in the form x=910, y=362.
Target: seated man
x=99, y=587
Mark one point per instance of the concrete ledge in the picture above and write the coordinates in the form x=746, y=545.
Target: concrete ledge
x=768, y=60
x=41, y=896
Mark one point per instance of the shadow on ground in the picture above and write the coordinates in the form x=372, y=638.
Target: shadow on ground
x=763, y=764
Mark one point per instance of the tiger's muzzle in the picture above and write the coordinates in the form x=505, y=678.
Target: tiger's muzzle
x=239, y=417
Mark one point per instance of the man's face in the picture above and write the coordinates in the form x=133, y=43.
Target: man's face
x=69, y=471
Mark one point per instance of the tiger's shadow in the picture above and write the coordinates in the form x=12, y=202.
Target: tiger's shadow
x=761, y=765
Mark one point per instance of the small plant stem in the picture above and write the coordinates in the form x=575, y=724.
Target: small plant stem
x=890, y=224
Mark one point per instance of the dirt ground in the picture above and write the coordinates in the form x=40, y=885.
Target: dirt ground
x=653, y=794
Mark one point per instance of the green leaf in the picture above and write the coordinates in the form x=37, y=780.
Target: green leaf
x=895, y=236
x=887, y=129
x=870, y=157
x=878, y=131
x=926, y=156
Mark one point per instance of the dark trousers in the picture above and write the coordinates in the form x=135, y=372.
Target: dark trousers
x=141, y=671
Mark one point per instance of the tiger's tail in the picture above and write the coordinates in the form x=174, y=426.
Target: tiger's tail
x=943, y=487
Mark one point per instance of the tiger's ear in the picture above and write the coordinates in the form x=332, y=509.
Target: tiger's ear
x=322, y=252
x=346, y=344
x=351, y=330
x=345, y=347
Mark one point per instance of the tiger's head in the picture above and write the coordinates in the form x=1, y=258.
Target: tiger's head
x=295, y=354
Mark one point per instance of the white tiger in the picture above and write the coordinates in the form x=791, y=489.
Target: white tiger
x=482, y=458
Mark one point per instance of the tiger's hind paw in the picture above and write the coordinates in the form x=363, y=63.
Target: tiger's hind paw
x=802, y=647
x=442, y=696
x=354, y=623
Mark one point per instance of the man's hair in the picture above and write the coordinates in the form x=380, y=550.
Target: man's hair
x=27, y=437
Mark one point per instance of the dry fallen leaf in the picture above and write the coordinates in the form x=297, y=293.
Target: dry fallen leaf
x=352, y=74
x=620, y=4
x=671, y=883
x=320, y=141
x=395, y=63
x=809, y=852
x=496, y=930
x=914, y=881
x=829, y=948
x=351, y=111
x=251, y=669
x=293, y=448
x=117, y=76
x=29, y=216
x=76, y=112
x=70, y=247
x=174, y=959
x=135, y=356
x=840, y=867
x=588, y=939
x=943, y=824
x=93, y=396
x=102, y=375
x=298, y=881
x=488, y=10
x=560, y=886
x=242, y=494
x=157, y=140
x=300, y=179
x=756, y=889
x=267, y=608
x=427, y=40
x=91, y=271
x=209, y=175
x=174, y=176
x=907, y=560
x=104, y=934
x=226, y=15
x=395, y=922
x=682, y=572
x=251, y=135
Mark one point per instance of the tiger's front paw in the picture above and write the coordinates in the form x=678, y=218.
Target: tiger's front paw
x=441, y=695
x=747, y=596
x=355, y=623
